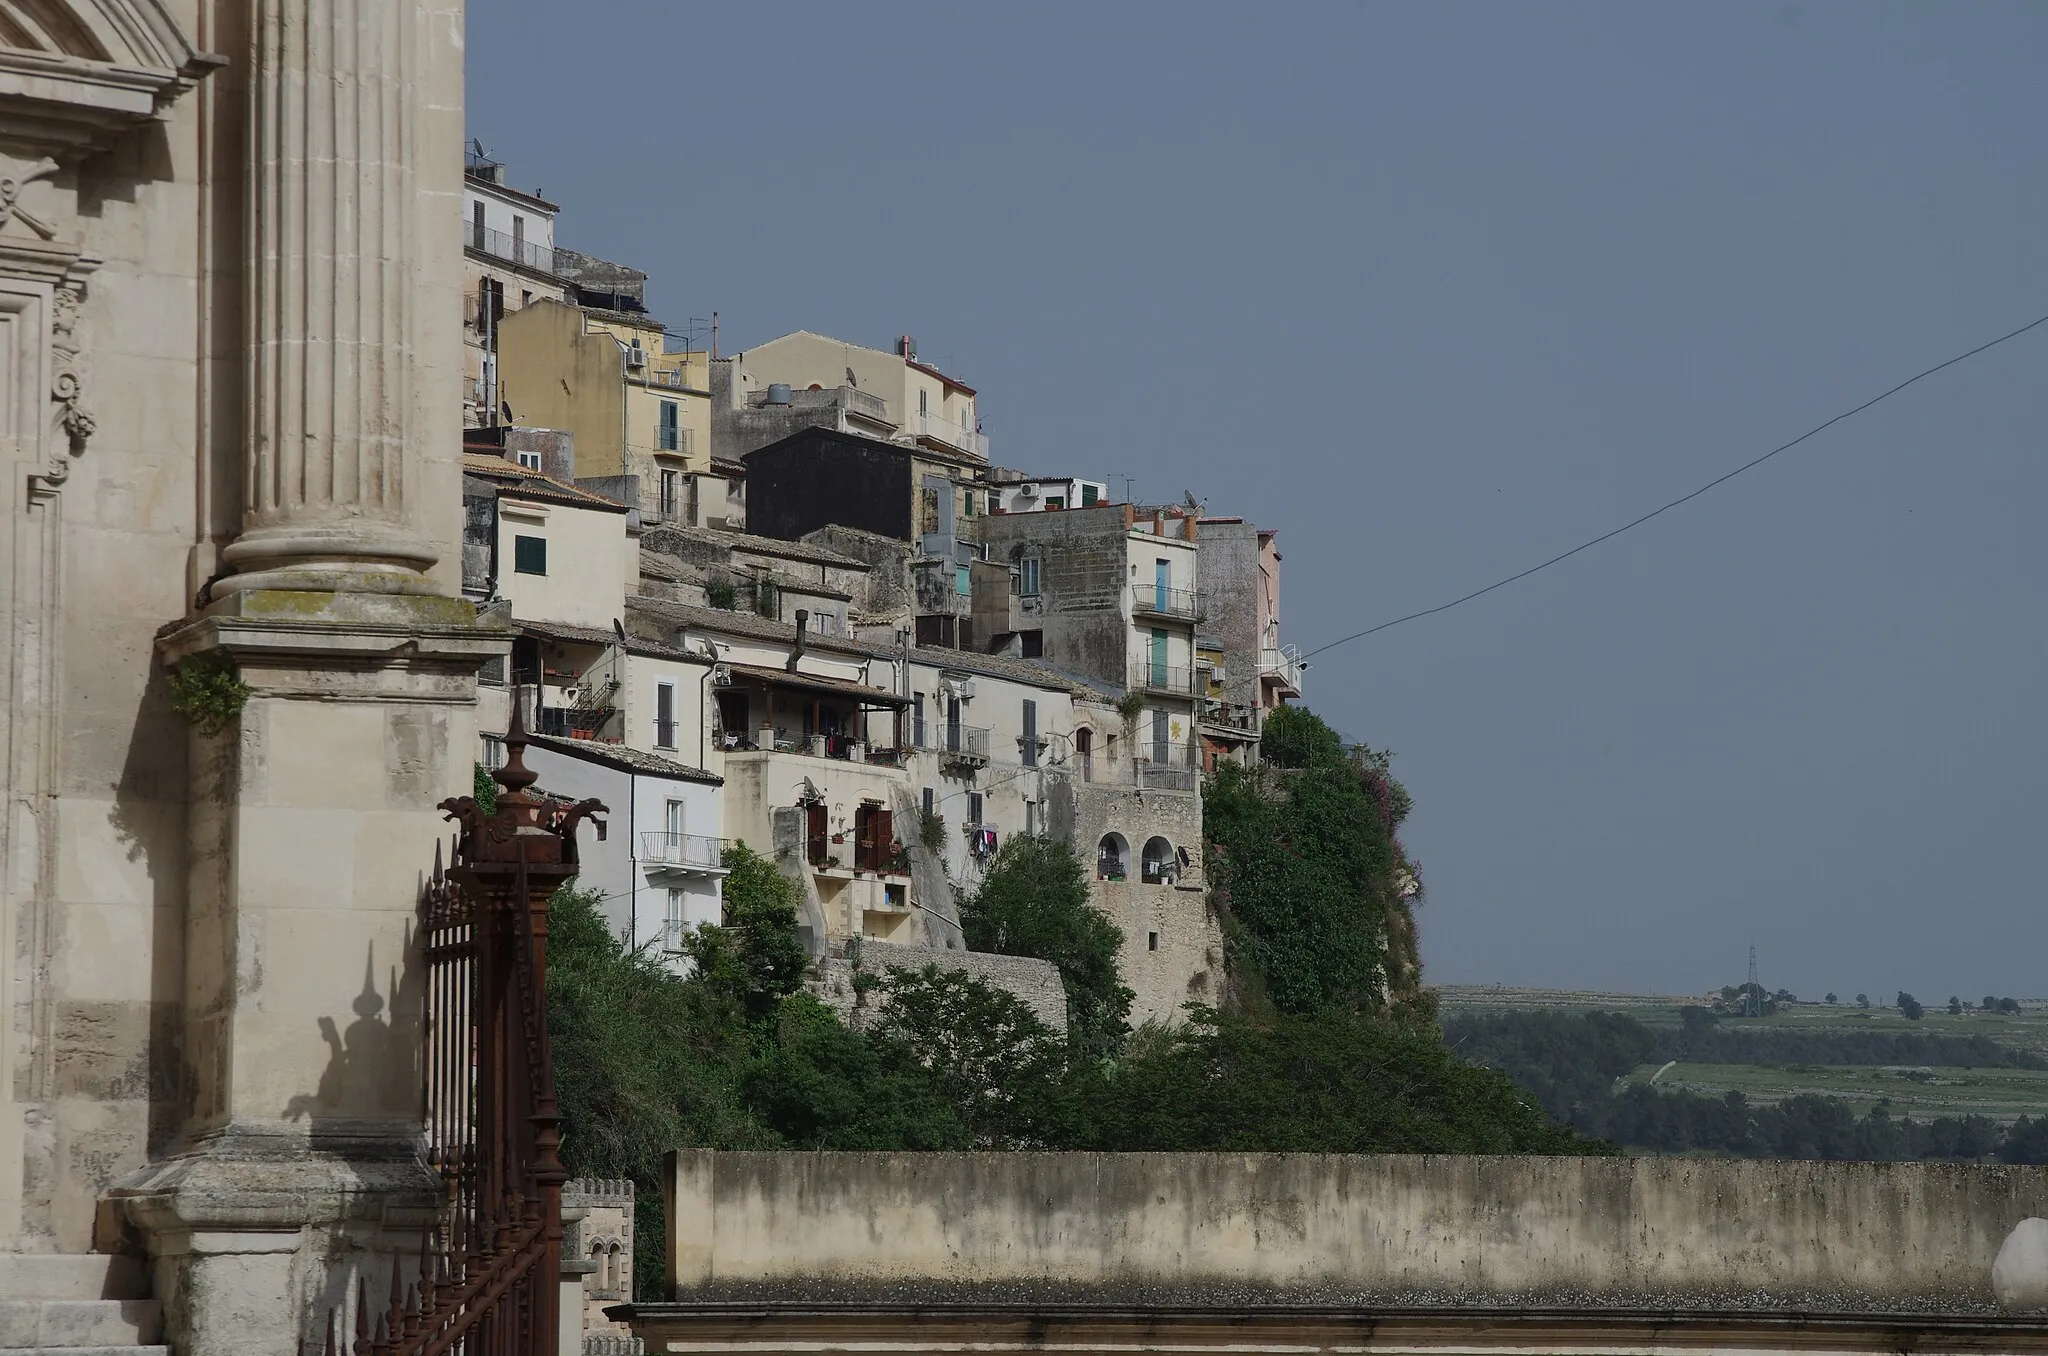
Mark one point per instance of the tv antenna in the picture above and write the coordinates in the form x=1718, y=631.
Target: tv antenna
x=1753, y=992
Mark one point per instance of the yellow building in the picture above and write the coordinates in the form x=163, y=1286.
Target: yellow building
x=640, y=416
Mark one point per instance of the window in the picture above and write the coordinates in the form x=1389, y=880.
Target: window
x=530, y=555
x=519, y=239
x=1112, y=857
x=529, y=460
x=476, y=225
x=672, y=931
x=963, y=581
x=1055, y=501
x=525, y=297
x=930, y=801
x=967, y=504
x=974, y=807
x=665, y=715
x=1027, y=576
x=1151, y=941
x=924, y=402
x=1032, y=644
x=1030, y=818
x=917, y=733
x=670, y=479
x=666, y=435
x=1159, y=866
x=1088, y=498
x=1029, y=743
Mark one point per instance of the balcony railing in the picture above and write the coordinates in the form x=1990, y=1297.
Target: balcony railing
x=1281, y=664
x=941, y=429
x=954, y=743
x=1175, y=679
x=692, y=850
x=1158, y=600
x=499, y=245
x=1169, y=770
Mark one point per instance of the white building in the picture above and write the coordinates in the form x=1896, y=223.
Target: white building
x=658, y=870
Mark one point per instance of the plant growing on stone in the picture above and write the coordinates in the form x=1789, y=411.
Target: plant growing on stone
x=207, y=693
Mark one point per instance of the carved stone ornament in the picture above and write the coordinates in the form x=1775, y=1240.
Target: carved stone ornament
x=75, y=72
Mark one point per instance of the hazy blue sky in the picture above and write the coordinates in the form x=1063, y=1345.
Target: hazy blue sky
x=1438, y=291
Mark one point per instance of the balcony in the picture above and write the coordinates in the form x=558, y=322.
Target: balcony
x=956, y=745
x=942, y=430
x=692, y=852
x=1169, y=769
x=1170, y=679
x=498, y=245
x=1157, y=600
x=1281, y=665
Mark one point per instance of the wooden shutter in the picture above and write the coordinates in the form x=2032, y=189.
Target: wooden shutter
x=815, y=834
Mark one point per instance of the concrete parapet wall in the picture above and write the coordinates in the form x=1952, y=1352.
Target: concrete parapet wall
x=1423, y=1230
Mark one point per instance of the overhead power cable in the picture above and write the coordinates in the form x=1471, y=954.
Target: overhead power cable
x=1685, y=498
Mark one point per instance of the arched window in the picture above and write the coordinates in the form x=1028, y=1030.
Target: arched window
x=615, y=1270
x=1112, y=857
x=1158, y=864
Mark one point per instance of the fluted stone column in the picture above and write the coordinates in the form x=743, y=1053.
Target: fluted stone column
x=297, y=1169
x=332, y=490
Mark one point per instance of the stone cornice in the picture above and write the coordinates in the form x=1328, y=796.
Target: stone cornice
x=110, y=65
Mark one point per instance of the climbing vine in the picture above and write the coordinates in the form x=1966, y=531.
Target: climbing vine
x=207, y=693
x=1314, y=886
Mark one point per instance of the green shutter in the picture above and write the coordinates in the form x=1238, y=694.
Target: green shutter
x=530, y=555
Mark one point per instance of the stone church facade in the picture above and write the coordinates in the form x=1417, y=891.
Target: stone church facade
x=230, y=358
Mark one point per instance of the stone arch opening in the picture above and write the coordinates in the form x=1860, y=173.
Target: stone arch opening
x=1112, y=857
x=1159, y=865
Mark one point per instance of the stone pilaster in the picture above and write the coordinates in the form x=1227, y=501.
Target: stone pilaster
x=311, y=811
x=333, y=487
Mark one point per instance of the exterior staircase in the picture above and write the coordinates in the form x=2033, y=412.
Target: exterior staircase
x=77, y=1305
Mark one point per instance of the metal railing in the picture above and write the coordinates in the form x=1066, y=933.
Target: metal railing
x=1169, y=769
x=1176, y=679
x=682, y=849
x=952, y=740
x=1282, y=662
x=489, y=1269
x=941, y=429
x=499, y=245
x=1159, y=600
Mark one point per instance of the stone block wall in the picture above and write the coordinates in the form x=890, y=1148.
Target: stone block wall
x=1173, y=941
x=597, y=1248
x=1035, y=982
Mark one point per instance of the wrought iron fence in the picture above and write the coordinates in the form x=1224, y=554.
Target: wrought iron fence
x=489, y=1279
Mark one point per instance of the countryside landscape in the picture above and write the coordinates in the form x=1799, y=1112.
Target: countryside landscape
x=1892, y=1076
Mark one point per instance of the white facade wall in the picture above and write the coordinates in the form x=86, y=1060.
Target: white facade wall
x=537, y=224
x=588, y=559
x=633, y=881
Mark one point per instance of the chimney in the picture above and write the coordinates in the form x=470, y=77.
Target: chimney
x=803, y=621
x=906, y=347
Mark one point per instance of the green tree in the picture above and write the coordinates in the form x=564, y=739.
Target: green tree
x=814, y=1084
x=1305, y=860
x=1910, y=1006
x=1334, y=1082
x=992, y=1060
x=1034, y=902
x=760, y=915
x=1955, y=1006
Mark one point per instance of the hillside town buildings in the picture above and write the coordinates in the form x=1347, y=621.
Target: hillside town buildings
x=332, y=456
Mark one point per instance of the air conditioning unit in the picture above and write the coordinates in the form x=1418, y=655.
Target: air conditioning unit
x=636, y=356
x=1216, y=675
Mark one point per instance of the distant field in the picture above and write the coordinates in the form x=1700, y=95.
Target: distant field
x=1923, y=1094
x=2002, y=1094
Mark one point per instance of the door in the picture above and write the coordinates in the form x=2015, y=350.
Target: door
x=1162, y=743
x=1158, y=673
x=673, y=822
x=952, y=725
x=1084, y=749
x=1030, y=748
x=815, y=837
x=917, y=720
x=1162, y=582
